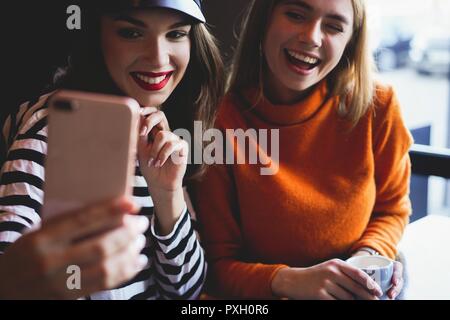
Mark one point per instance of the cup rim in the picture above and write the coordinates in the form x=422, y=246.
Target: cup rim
x=354, y=262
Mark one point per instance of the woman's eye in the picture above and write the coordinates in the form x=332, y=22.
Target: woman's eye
x=296, y=16
x=176, y=35
x=335, y=28
x=129, y=33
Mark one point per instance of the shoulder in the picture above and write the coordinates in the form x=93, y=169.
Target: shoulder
x=387, y=117
x=33, y=112
x=385, y=102
x=25, y=117
x=386, y=107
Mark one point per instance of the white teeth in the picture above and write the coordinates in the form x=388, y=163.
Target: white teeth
x=149, y=80
x=302, y=57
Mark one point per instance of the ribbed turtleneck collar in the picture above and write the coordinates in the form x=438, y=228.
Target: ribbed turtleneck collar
x=292, y=114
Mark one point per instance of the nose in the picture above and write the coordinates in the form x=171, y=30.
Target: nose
x=155, y=52
x=311, y=34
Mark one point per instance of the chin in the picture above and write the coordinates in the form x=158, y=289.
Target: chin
x=153, y=101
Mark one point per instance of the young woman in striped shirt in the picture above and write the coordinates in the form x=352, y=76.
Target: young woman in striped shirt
x=161, y=54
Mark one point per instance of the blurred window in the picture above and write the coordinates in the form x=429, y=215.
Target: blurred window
x=411, y=45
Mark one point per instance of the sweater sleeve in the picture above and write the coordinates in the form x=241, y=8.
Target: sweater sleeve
x=231, y=275
x=392, y=209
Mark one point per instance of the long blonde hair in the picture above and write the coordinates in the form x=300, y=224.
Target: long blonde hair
x=352, y=79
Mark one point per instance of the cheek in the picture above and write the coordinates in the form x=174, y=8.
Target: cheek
x=182, y=57
x=116, y=56
x=270, y=48
x=335, y=51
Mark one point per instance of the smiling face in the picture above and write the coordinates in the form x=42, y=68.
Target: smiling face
x=146, y=52
x=304, y=42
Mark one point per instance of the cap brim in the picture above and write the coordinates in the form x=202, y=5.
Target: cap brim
x=188, y=7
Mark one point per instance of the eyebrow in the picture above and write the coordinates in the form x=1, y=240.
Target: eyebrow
x=142, y=24
x=308, y=7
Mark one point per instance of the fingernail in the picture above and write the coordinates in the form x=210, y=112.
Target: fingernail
x=378, y=290
x=142, y=260
x=140, y=241
x=158, y=164
x=143, y=130
x=150, y=162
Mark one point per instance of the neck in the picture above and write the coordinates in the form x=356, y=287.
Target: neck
x=278, y=94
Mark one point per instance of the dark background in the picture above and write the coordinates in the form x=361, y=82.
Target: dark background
x=35, y=41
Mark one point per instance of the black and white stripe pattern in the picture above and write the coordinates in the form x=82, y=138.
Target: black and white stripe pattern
x=176, y=268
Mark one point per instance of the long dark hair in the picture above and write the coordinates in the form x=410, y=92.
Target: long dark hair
x=194, y=99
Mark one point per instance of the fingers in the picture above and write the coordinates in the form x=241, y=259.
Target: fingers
x=397, y=281
x=338, y=292
x=398, y=273
x=146, y=111
x=157, y=143
x=86, y=222
x=152, y=118
x=369, y=287
x=164, y=145
x=48, y=277
x=113, y=271
x=101, y=247
x=178, y=149
x=325, y=295
x=355, y=288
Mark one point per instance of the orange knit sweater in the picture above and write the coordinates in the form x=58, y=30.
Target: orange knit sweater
x=336, y=190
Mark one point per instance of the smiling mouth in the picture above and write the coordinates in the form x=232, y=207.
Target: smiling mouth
x=151, y=81
x=302, y=61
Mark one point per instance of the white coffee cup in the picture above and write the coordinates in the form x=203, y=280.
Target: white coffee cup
x=379, y=268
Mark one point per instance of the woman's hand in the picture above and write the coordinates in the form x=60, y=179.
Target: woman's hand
x=397, y=278
x=103, y=240
x=397, y=281
x=162, y=159
x=331, y=280
x=162, y=154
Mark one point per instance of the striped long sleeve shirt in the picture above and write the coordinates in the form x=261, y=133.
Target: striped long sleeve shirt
x=176, y=267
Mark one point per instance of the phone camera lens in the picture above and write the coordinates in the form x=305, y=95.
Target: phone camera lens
x=63, y=105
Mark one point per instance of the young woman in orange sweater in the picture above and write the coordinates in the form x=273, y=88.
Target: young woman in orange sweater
x=341, y=185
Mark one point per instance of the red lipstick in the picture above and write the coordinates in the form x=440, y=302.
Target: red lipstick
x=137, y=77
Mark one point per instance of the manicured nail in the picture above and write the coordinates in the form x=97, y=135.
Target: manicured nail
x=150, y=162
x=378, y=290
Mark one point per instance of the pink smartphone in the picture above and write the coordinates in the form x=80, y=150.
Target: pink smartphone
x=92, y=140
